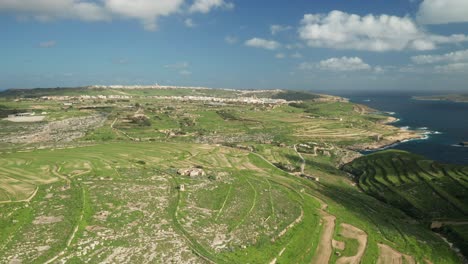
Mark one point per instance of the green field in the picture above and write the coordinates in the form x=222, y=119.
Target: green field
x=271, y=190
x=424, y=189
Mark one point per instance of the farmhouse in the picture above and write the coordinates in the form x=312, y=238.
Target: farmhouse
x=192, y=172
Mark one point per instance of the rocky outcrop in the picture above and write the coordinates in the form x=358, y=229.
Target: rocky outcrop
x=58, y=131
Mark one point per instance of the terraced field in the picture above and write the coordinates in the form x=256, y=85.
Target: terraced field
x=161, y=181
x=420, y=187
x=123, y=202
x=435, y=193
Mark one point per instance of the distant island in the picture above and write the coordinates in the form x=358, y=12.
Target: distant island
x=463, y=98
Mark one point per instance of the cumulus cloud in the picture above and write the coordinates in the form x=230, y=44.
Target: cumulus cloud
x=205, y=6
x=307, y=66
x=178, y=65
x=263, y=43
x=48, y=44
x=46, y=10
x=294, y=46
x=231, y=39
x=185, y=72
x=456, y=56
x=274, y=29
x=280, y=56
x=442, y=11
x=343, y=64
x=296, y=55
x=341, y=30
x=189, y=23
x=147, y=11
x=461, y=67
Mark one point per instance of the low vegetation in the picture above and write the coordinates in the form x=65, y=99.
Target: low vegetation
x=268, y=187
x=434, y=193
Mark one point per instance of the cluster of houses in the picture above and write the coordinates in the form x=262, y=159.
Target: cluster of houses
x=154, y=86
x=157, y=86
x=209, y=99
x=206, y=99
x=84, y=97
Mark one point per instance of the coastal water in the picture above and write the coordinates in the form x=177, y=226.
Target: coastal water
x=446, y=123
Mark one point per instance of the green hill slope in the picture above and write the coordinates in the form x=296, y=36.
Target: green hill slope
x=424, y=189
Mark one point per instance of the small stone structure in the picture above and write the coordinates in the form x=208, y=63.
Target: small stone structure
x=192, y=172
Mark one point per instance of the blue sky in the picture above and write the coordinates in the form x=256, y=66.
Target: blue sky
x=296, y=44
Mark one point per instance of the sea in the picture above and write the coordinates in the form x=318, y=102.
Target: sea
x=444, y=123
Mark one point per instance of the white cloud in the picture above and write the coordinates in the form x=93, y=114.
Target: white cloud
x=205, y=6
x=46, y=10
x=296, y=55
x=340, y=30
x=307, y=66
x=280, y=56
x=379, y=69
x=189, y=23
x=231, y=39
x=274, y=29
x=461, y=67
x=456, y=56
x=411, y=69
x=452, y=62
x=147, y=11
x=294, y=46
x=179, y=65
x=263, y=43
x=343, y=64
x=48, y=44
x=442, y=11
x=185, y=72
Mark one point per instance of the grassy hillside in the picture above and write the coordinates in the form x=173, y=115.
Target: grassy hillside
x=123, y=201
x=434, y=193
x=102, y=180
x=423, y=188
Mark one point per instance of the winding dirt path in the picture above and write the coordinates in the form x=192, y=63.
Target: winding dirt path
x=388, y=255
x=324, y=248
x=353, y=232
x=55, y=171
x=72, y=236
x=279, y=255
x=224, y=203
x=295, y=222
x=27, y=200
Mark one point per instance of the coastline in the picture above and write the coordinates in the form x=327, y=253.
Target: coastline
x=401, y=136
x=441, y=99
x=390, y=141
